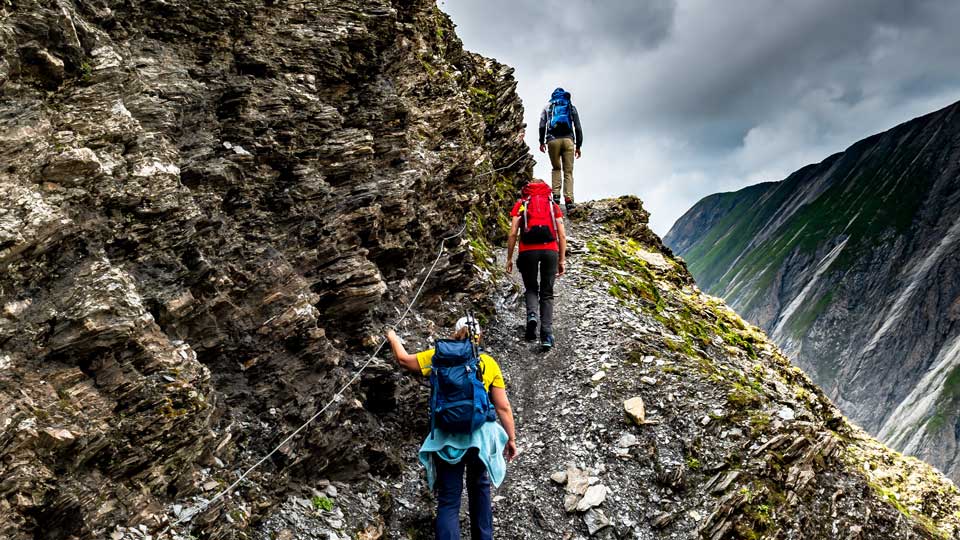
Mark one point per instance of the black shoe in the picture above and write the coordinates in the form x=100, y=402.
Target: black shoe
x=569, y=204
x=531, y=334
x=546, y=342
x=556, y=199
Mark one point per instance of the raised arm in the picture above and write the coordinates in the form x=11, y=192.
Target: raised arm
x=505, y=414
x=404, y=358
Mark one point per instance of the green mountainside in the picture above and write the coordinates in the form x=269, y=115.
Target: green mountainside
x=849, y=265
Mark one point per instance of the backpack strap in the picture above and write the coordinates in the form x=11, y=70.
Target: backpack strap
x=553, y=218
x=433, y=400
x=526, y=213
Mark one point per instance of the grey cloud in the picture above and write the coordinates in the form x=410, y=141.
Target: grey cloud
x=568, y=31
x=681, y=100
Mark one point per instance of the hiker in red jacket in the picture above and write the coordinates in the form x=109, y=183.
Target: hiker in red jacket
x=543, y=248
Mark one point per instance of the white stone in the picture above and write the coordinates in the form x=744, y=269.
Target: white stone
x=635, y=409
x=598, y=376
x=559, y=477
x=627, y=440
x=595, y=520
x=594, y=496
x=786, y=413
x=577, y=481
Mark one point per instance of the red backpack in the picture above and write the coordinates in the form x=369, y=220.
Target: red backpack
x=538, y=223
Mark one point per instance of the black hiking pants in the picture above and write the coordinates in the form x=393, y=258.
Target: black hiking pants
x=539, y=270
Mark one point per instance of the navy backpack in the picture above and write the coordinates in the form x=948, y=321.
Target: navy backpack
x=459, y=402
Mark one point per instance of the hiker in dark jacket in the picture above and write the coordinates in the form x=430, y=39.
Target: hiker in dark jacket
x=543, y=248
x=481, y=454
x=560, y=132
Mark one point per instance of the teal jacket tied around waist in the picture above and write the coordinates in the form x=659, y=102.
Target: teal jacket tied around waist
x=490, y=440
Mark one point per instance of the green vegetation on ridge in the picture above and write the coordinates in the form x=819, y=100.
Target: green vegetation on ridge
x=864, y=195
x=703, y=340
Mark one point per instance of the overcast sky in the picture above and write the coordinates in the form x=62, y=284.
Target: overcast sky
x=681, y=99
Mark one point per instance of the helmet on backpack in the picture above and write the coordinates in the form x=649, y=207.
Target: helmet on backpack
x=467, y=328
x=467, y=321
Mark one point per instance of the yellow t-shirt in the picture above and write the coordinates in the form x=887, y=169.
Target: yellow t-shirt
x=492, y=376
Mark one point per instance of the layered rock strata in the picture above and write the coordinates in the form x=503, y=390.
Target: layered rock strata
x=203, y=208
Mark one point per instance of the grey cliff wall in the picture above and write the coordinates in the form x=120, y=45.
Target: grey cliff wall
x=204, y=207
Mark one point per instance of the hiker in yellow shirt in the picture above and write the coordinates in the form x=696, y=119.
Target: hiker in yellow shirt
x=480, y=453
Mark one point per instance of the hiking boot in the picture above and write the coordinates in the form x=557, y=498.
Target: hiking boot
x=556, y=199
x=546, y=342
x=531, y=334
x=568, y=202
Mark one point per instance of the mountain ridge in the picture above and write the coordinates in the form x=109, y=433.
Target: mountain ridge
x=845, y=263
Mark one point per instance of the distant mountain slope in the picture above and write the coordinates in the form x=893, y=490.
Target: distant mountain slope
x=850, y=265
x=710, y=210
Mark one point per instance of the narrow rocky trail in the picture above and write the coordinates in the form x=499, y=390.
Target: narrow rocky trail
x=568, y=414
x=564, y=418
x=734, y=443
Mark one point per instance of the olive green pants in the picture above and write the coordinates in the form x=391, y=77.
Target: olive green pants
x=561, y=155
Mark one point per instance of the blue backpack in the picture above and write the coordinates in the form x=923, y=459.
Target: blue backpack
x=560, y=111
x=459, y=402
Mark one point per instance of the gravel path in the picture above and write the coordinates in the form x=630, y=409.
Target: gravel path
x=569, y=408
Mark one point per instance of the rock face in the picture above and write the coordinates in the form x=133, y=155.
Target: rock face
x=851, y=265
x=204, y=208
